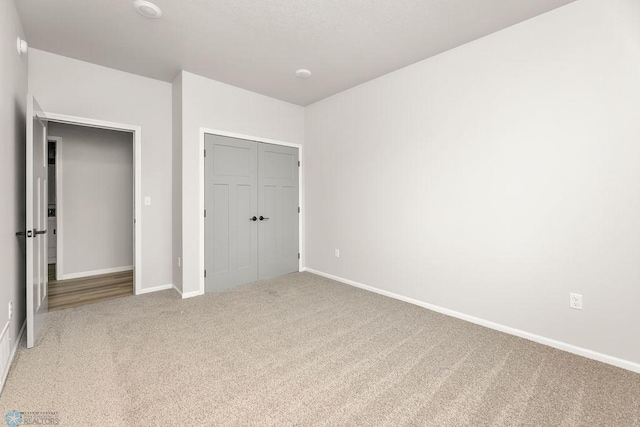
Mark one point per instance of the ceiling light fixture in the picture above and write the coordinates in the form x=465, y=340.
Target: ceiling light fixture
x=303, y=73
x=147, y=9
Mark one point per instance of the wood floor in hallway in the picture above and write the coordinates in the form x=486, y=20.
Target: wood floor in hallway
x=87, y=290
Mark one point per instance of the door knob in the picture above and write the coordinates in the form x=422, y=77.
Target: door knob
x=253, y=218
x=262, y=218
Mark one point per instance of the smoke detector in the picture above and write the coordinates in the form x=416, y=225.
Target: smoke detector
x=147, y=9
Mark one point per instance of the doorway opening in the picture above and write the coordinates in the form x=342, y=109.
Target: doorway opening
x=36, y=218
x=90, y=214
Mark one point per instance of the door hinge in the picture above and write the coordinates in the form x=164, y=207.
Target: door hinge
x=205, y=274
x=298, y=255
x=205, y=152
x=205, y=213
x=298, y=209
x=298, y=163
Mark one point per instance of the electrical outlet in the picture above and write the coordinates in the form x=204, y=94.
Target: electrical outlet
x=179, y=262
x=10, y=310
x=337, y=252
x=575, y=301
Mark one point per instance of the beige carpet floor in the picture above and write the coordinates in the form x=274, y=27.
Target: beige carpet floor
x=303, y=350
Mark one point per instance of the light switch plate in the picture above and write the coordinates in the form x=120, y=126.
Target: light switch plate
x=147, y=201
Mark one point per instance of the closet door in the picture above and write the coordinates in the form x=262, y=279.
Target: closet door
x=278, y=210
x=231, y=226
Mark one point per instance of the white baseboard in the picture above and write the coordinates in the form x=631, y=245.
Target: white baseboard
x=191, y=294
x=590, y=354
x=175, y=288
x=14, y=348
x=186, y=295
x=155, y=289
x=96, y=272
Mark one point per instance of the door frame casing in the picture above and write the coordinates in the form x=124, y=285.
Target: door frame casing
x=137, y=181
x=202, y=132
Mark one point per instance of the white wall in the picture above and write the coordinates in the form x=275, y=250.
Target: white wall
x=96, y=228
x=13, y=94
x=68, y=86
x=495, y=179
x=211, y=104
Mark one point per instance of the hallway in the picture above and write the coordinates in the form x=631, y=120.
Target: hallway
x=87, y=290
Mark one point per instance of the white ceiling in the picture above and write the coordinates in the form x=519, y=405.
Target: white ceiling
x=258, y=44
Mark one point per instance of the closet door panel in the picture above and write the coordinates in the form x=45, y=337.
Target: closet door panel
x=231, y=245
x=278, y=207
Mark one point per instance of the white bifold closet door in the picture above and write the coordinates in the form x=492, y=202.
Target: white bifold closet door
x=251, y=211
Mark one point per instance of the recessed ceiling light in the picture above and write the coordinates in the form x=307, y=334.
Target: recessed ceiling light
x=303, y=73
x=147, y=9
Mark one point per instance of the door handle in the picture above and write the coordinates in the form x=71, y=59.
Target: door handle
x=27, y=233
x=36, y=232
x=253, y=218
x=262, y=218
